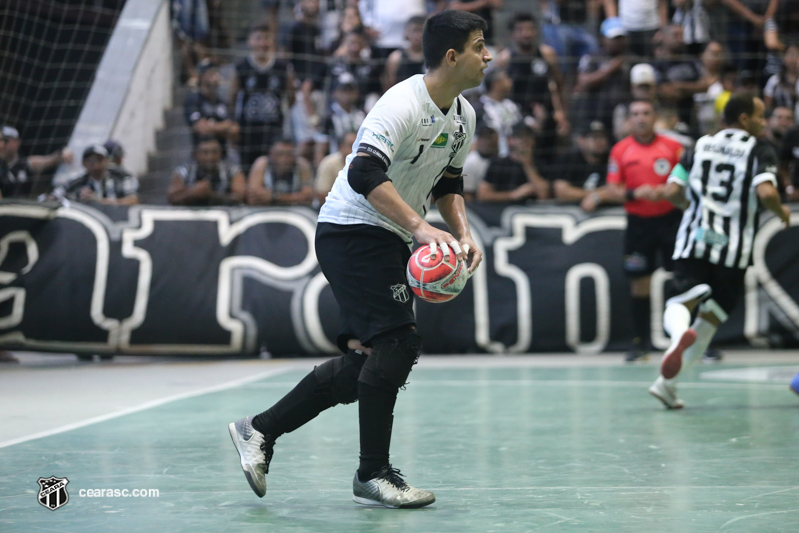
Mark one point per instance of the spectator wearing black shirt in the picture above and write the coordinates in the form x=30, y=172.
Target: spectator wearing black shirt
x=406, y=62
x=21, y=171
x=484, y=8
x=486, y=147
x=207, y=179
x=282, y=178
x=99, y=183
x=301, y=41
x=344, y=116
x=356, y=57
x=789, y=164
x=534, y=69
x=262, y=83
x=603, y=79
x=581, y=171
x=514, y=178
x=204, y=109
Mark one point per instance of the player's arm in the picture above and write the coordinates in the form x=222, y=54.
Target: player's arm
x=765, y=182
x=367, y=176
x=448, y=197
x=40, y=163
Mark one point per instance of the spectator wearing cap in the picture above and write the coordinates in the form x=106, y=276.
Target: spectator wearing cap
x=262, y=85
x=343, y=116
x=282, y=178
x=331, y=165
x=208, y=179
x=641, y=20
x=514, y=179
x=496, y=109
x=643, y=86
x=99, y=183
x=204, y=109
x=116, y=156
x=485, y=147
x=581, y=171
x=408, y=61
x=20, y=170
x=603, y=78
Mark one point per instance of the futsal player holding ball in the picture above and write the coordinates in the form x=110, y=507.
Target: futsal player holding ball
x=409, y=151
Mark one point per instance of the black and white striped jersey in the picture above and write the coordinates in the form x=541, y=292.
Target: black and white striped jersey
x=720, y=178
x=416, y=141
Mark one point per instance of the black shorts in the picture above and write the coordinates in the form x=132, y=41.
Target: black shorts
x=365, y=266
x=727, y=283
x=645, y=239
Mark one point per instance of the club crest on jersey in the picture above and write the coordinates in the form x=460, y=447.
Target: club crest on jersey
x=400, y=292
x=441, y=141
x=662, y=166
x=458, y=139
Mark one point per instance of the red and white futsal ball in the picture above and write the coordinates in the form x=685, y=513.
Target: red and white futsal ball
x=436, y=280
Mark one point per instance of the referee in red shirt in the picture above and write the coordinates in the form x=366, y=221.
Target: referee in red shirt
x=638, y=165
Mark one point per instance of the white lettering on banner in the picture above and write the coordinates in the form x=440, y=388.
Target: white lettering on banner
x=602, y=294
x=519, y=222
x=306, y=284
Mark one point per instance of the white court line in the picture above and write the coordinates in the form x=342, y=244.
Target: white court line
x=551, y=382
x=144, y=406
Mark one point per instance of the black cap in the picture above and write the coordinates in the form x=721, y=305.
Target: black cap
x=594, y=126
x=204, y=66
x=114, y=149
x=95, y=149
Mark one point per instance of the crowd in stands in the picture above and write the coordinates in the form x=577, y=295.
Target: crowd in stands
x=555, y=99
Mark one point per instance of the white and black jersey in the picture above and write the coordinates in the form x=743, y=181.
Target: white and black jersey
x=720, y=178
x=416, y=141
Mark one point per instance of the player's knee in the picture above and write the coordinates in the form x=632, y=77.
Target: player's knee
x=392, y=359
x=338, y=377
x=710, y=309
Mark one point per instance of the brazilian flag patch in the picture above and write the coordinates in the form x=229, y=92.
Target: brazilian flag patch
x=441, y=141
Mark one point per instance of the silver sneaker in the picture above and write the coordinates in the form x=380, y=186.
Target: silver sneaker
x=666, y=393
x=389, y=490
x=255, y=452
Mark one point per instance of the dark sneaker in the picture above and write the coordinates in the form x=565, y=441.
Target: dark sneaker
x=389, y=490
x=712, y=355
x=255, y=451
x=638, y=352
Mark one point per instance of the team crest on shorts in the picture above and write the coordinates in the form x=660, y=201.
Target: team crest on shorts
x=662, y=166
x=400, y=292
x=53, y=492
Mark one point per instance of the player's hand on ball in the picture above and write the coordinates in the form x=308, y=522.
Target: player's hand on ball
x=473, y=253
x=436, y=238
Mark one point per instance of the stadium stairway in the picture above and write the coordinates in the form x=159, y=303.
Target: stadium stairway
x=173, y=147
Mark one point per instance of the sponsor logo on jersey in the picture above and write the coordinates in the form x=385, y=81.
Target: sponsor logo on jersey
x=441, y=141
x=422, y=140
x=383, y=138
x=711, y=237
x=662, y=166
x=613, y=167
x=428, y=121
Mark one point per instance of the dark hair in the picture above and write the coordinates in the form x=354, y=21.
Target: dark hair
x=521, y=16
x=207, y=139
x=740, y=102
x=262, y=26
x=448, y=30
x=483, y=131
x=491, y=77
x=522, y=130
x=416, y=19
x=650, y=103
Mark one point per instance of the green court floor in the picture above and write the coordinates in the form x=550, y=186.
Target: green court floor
x=506, y=449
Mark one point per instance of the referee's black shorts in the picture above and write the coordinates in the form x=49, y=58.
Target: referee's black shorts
x=365, y=266
x=645, y=239
x=727, y=283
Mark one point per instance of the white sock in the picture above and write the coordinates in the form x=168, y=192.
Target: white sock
x=676, y=319
x=704, y=334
